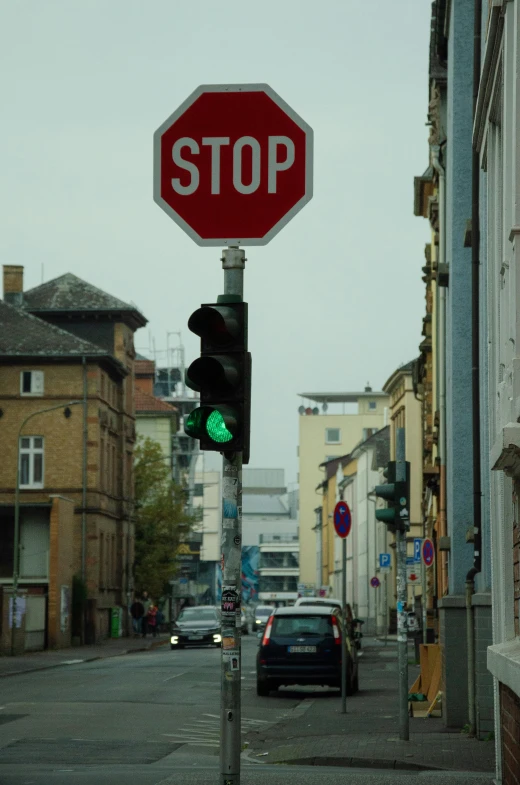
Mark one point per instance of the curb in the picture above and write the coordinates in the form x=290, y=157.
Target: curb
x=360, y=763
x=84, y=659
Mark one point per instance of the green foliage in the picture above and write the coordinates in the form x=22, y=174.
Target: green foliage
x=160, y=519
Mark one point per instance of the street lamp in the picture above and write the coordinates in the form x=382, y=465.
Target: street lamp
x=16, y=546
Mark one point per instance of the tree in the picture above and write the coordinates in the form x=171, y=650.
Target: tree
x=161, y=519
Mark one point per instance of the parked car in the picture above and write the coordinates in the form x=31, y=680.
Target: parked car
x=243, y=622
x=302, y=645
x=197, y=626
x=262, y=613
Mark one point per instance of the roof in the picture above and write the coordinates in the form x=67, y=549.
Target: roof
x=69, y=293
x=149, y=404
x=331, y=466
x=24, y=335
x=405, y=368
x=380, y=443
x=345, y=397
x=263, y=504
x=144, y=367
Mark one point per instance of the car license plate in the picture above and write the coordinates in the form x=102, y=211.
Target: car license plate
x=195, y=637
x=302, y=649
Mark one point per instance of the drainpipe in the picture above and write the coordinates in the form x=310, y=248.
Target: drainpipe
x=441, y=353
x=84, y=471
x=475, y=386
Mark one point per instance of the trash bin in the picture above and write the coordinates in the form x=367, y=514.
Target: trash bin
x=116, y=626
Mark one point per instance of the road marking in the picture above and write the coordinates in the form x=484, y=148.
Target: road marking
x=176, y=676
x=71, y=662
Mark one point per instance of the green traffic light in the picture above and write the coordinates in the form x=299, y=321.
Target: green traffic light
x=216, y=428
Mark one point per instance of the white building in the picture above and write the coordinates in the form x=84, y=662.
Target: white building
x=269, y=523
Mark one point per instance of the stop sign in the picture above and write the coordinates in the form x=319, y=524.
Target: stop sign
x=233, y=164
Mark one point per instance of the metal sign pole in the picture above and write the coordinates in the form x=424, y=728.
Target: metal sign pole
x=402, y=638
x=344, y=639
x=424, y=601
x=233, y=263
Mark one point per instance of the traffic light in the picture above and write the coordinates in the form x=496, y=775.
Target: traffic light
x=222, y=376
x=397, y=496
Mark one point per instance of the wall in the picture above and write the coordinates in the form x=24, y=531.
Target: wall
x=458, y=303
x=61, y=570
x=159, y=429
x=312, y=451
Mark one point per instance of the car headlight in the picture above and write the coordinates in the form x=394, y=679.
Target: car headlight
x=217, y=637
x=259, y=621
x=174, y=639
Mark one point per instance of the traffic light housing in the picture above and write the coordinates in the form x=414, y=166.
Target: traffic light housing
x=396, y=493
x=222, y=376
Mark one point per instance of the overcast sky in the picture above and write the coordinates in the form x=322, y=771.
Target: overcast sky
x=336, y=299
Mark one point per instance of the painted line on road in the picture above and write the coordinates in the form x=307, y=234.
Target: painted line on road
x=175, y=676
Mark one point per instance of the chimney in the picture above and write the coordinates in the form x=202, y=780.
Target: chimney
x=13, y=284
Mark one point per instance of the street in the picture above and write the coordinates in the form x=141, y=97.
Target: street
x=152, y=718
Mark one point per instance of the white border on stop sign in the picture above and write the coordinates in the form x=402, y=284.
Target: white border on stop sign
x=234, y=88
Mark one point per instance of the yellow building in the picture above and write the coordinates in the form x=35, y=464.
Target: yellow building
x=323, y=436
x=406, y=412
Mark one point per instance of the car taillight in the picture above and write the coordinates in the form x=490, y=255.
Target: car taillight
x=335, y=630
x=267, y=633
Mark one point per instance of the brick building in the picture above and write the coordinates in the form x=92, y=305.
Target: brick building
x=66, y=341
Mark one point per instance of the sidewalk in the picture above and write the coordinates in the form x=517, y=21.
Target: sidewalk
x=112, y=647
x=317, y=733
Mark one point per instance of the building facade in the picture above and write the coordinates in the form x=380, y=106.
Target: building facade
x=66, y=390
x=323, y=436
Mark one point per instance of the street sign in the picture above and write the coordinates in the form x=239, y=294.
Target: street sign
x=413, y=574
x=233, y=164
x=428, y=552
x=417, y=543
x=342, y=519
x=374, y=582
x=385, y=561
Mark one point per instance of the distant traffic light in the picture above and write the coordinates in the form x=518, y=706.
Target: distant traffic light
x=222, y=376
x=397, y=496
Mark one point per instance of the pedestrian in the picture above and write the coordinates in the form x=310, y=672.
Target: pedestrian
x=137, y=613
x=146, y=601
x=151, y=618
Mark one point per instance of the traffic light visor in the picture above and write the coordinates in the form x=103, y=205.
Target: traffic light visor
x=217, y=323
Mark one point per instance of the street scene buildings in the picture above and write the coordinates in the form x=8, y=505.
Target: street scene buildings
x=363, y=535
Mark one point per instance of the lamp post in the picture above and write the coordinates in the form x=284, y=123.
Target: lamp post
x=16, y=544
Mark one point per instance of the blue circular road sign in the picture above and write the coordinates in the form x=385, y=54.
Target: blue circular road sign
x=342, y=519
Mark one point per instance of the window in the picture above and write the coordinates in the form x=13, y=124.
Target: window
x=372, y=405
x=31, y=383
x=198, y=489
x=332, y=435
x=31, y=462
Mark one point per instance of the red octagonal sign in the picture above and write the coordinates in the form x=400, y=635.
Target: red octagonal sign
x=233, y=164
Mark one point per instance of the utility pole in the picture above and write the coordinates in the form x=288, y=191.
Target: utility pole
x=402, y=638
x=233, y=263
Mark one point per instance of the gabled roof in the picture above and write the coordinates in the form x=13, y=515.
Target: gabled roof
x=71, y=294
x=149, y=404
x=25, y=336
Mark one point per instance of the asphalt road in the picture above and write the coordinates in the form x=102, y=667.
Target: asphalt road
x=149, y=719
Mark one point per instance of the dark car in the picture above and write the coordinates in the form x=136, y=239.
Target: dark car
x=302, y=645
x=262, y=613
x=198, y=626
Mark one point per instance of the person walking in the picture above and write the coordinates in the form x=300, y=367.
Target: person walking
x=151, y=618
x=137, y=613
x=146, y=602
